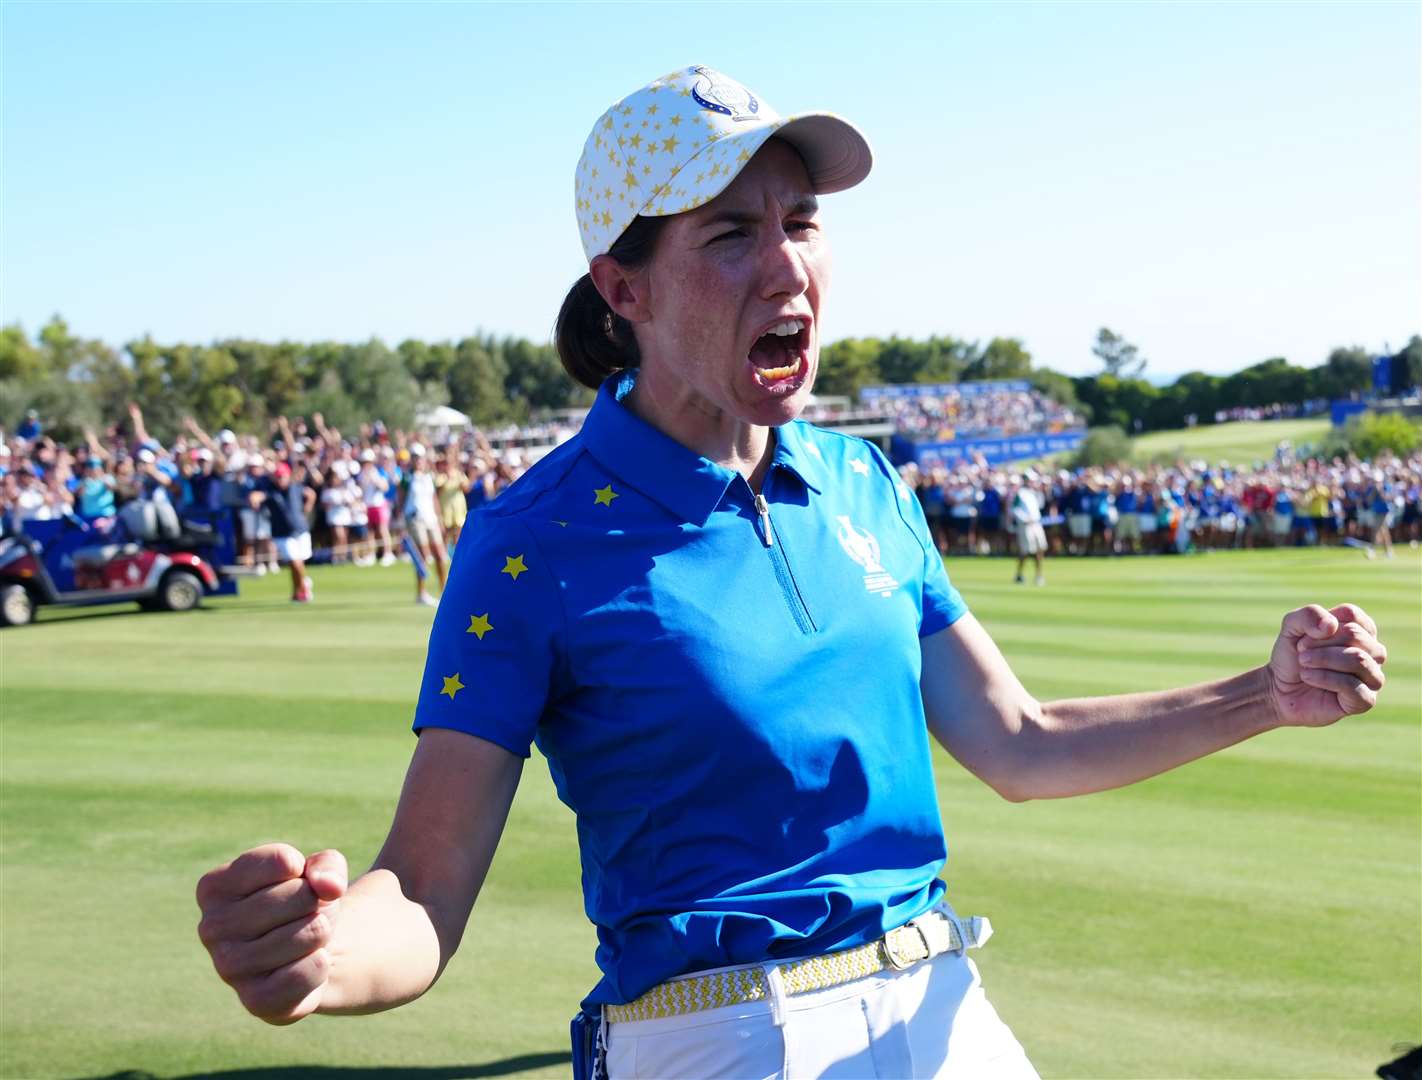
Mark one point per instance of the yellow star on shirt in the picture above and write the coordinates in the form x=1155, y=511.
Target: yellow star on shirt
x=513, y=566
x=452, y=685
x=480, y=625
x=603, y=496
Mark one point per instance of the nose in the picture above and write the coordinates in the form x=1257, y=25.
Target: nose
x=783, y=270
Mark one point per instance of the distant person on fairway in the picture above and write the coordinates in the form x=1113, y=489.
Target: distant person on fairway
x=731, y=635
x=1026, y=509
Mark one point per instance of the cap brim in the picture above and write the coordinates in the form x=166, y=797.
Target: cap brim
x=835, y=152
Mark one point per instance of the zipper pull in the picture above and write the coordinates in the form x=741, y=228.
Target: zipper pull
x=762, y=508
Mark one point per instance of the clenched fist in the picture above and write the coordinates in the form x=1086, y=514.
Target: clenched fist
x=1326, y=664
x=267, y=917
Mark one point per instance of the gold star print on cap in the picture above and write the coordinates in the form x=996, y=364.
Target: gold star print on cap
x=695, y=115
x=603, y=496
x=513, y=566
x=480, y=625
x=452, y=685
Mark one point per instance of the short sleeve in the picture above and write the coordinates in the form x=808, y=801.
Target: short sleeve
x=942, y=605
x=497, y=639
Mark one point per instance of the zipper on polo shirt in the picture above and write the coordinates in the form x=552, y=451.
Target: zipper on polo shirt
x=783, y=574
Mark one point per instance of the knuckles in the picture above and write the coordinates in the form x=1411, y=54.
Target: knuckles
x=273, y=997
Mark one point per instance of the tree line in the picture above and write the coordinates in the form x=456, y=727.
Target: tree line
x=77, y=383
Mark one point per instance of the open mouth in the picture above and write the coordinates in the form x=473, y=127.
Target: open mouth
x=778, y=355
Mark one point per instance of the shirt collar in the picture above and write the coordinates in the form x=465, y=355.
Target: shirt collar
x=795, y=450
x=681, y=480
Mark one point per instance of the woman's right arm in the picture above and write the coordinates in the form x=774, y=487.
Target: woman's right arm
x=288, y=935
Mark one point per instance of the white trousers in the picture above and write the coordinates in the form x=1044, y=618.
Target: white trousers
x=930, y=1021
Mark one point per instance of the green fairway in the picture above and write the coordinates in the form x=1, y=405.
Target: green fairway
x=1240, y=443
x=1252, y=915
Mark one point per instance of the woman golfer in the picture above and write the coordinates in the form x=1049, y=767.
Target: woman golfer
x=731, y=635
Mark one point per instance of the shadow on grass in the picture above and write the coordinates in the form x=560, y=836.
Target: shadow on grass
x=61, y=613
x=360, y=1072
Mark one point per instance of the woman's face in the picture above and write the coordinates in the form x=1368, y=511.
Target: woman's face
x=724, y=278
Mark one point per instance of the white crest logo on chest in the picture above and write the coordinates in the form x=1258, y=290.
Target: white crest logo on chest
x=863, y=547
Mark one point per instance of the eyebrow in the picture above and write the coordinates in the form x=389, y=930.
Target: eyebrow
x=807, y=204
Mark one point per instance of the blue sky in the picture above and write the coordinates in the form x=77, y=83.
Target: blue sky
x=1218, y=182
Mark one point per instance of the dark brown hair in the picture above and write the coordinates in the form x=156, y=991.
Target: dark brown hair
x=592, y=341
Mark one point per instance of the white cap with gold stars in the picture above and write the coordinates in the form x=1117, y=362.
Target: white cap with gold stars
x=681, y=139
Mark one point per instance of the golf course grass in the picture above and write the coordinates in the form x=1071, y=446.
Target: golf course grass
x=1252, y=915
x=1241, y=442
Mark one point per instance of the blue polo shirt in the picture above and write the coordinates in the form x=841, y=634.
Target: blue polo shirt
x=728, y=699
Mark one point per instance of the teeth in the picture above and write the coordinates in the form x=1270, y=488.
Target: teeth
x=786, y=328
x=774, y=374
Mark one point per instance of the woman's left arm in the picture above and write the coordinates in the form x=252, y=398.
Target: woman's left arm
x=1325, y=664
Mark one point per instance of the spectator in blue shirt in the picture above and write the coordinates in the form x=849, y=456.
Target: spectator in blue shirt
x=30, y=427
x=94, y=497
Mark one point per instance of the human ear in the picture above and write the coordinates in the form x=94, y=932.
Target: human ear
x=624, y=290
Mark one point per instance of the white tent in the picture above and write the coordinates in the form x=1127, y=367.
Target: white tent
x=441, y=416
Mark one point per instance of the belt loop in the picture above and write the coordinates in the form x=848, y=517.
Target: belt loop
x=775, y=990
x=982, y=930
x=952, y=917
x=600, y=1054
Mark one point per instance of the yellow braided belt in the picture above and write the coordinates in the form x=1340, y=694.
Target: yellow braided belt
x=919, y=939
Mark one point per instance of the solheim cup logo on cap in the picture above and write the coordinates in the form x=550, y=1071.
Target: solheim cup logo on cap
x=724, y=95
x=862, y=546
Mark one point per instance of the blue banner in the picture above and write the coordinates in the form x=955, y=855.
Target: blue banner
x=1342, y=410
x=994, y=451
x=1382, y=376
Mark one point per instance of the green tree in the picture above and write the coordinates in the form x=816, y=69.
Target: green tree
x=1370, y=434
x=1057, y=386
x=1107, y=445
x=535, y=378
x=847, y=366
x=1344, y=372
x=1127, y=403
x=19, y=360
x=1411, y=360
x=476, y=381
x=1117, y=355
x=1003, y=358
x=900, y=360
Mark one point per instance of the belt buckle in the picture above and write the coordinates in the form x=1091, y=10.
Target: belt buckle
x=898, y=941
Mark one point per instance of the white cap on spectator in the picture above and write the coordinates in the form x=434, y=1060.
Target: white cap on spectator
x=145, y=455
x=367, y=454
x=417, y=450
x=226, y=435
x=237, y=461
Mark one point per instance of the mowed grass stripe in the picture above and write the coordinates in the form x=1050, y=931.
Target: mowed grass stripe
x=1253, y=914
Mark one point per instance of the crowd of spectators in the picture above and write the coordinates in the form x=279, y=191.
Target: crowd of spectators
x=951, y=414
x=1290, y=411
x=1291, y=500
x=357, y=494
x=360, y=494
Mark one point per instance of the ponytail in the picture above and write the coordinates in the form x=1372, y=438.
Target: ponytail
x=593, y=342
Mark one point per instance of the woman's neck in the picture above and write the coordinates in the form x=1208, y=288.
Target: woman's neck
x=679, y=413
